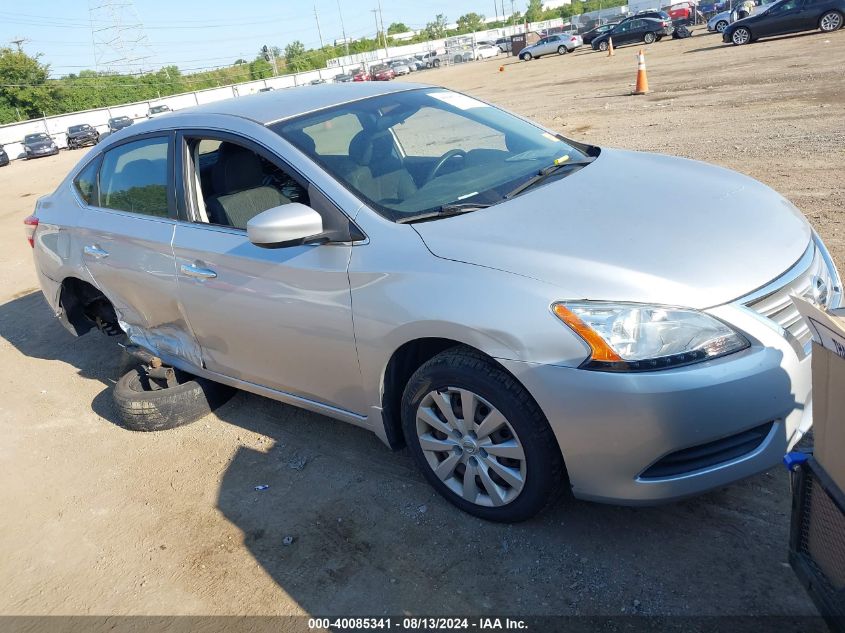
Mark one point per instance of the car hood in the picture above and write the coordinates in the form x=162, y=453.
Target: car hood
x=635, y=227
x=39, y=144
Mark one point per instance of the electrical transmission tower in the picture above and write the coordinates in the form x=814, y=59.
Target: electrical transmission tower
x=117, y=34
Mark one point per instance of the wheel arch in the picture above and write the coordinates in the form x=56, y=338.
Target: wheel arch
x=84, y=307
x=402, y=364
x=841, y=15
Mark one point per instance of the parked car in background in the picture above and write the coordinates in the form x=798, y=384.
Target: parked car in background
x=504, y=44
x=660, y=16
x=486, y=51
x=266, y=89
x=82, y=135
x=720, y=21
x=681, y=12
x=400, y=67
x=382, y=72
x=359, y=74
x=39, y=144
x=457, y=302
x=787, y=16
x=158, y=111
x=4, y=157
x=317, y=82
x=559, y=44
x=343, y=78
x=645, y=30
x=119, y=122
x=593, y=33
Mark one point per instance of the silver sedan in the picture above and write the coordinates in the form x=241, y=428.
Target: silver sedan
x=517, y=308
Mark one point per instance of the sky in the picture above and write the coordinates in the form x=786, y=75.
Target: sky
x=201, y=34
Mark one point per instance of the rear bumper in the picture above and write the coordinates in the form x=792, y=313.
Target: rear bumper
x=611, y=427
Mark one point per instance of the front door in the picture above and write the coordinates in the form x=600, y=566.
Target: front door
x=276, y=317
x=781, y=18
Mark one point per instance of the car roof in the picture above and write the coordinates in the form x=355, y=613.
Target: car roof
x=268, y=107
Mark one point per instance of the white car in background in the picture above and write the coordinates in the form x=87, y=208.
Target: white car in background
x=486, y=51
x=158, y=110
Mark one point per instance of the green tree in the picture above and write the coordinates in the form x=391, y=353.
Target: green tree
x=534, y=12
x=296, y=59
x=470, y=22
x=24, y=85
x=436, y=29
x=260, y=68
x=397, y=27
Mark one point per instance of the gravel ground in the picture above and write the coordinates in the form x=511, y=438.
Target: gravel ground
x=99, y=520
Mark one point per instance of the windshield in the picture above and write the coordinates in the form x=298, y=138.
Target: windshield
x=78, y=128
x=157, y=109
x=35, y=138
x=415, y=151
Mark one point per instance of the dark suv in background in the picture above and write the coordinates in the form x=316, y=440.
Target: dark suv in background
x=119, y=122
x=82, y=135
x=660, y=16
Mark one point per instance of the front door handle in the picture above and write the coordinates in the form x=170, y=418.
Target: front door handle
x=199, y=273
x=95, y=251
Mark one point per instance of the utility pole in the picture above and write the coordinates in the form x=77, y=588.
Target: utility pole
x=375, y=17
x=319, y=32
x=383, y=32
x=18, y=43
x=496, y=10
x=343, y=28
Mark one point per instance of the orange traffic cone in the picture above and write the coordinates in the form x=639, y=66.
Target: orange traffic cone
x=610, y=47
x=642, y=79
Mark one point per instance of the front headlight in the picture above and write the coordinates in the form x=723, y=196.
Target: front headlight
x=636, y=337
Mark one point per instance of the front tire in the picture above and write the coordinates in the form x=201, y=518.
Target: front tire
x=145, y=404
x=526, y=57
x=649, y=38
x=500, y=462
x=721, y=25
x=830, y=21
x=603, y=46
x=741, y=36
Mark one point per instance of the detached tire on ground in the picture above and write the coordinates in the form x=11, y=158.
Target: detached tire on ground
x=145, y=404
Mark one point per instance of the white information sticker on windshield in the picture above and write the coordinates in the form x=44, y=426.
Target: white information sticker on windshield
x=462, y=102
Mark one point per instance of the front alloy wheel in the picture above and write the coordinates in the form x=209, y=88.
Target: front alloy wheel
x=721, y=25
x=561, y=50
x=830, y=21
x=741, y=36
x=479, y=438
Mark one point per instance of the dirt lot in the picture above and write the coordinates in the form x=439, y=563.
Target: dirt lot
x=99, y=520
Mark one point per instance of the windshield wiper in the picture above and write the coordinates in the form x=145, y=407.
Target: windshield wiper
x=444, y=211
x=542, y=175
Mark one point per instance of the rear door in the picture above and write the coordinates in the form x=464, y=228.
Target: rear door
x=125, y=232
x=276, y=317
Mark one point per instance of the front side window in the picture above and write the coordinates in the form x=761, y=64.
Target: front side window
x=233, y=183
x=415, y=151
x=133, y=177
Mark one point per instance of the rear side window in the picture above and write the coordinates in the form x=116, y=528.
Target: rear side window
x=86, y=181
x=133, y=177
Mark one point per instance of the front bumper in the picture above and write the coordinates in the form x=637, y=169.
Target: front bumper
x=611, y=427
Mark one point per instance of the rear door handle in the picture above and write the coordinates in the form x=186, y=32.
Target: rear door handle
x=95, y=251
x=199, y=273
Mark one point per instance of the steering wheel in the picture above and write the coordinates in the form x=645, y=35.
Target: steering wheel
x=452, y=153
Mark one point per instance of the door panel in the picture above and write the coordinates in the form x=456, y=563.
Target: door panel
x=130, y=259
x=280, y=318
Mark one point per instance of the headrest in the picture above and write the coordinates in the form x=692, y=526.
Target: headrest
x=236, y=169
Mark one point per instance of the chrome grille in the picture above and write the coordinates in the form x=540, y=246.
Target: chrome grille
x=810, y=281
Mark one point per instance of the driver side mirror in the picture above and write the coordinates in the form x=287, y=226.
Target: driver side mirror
x=290, y=224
